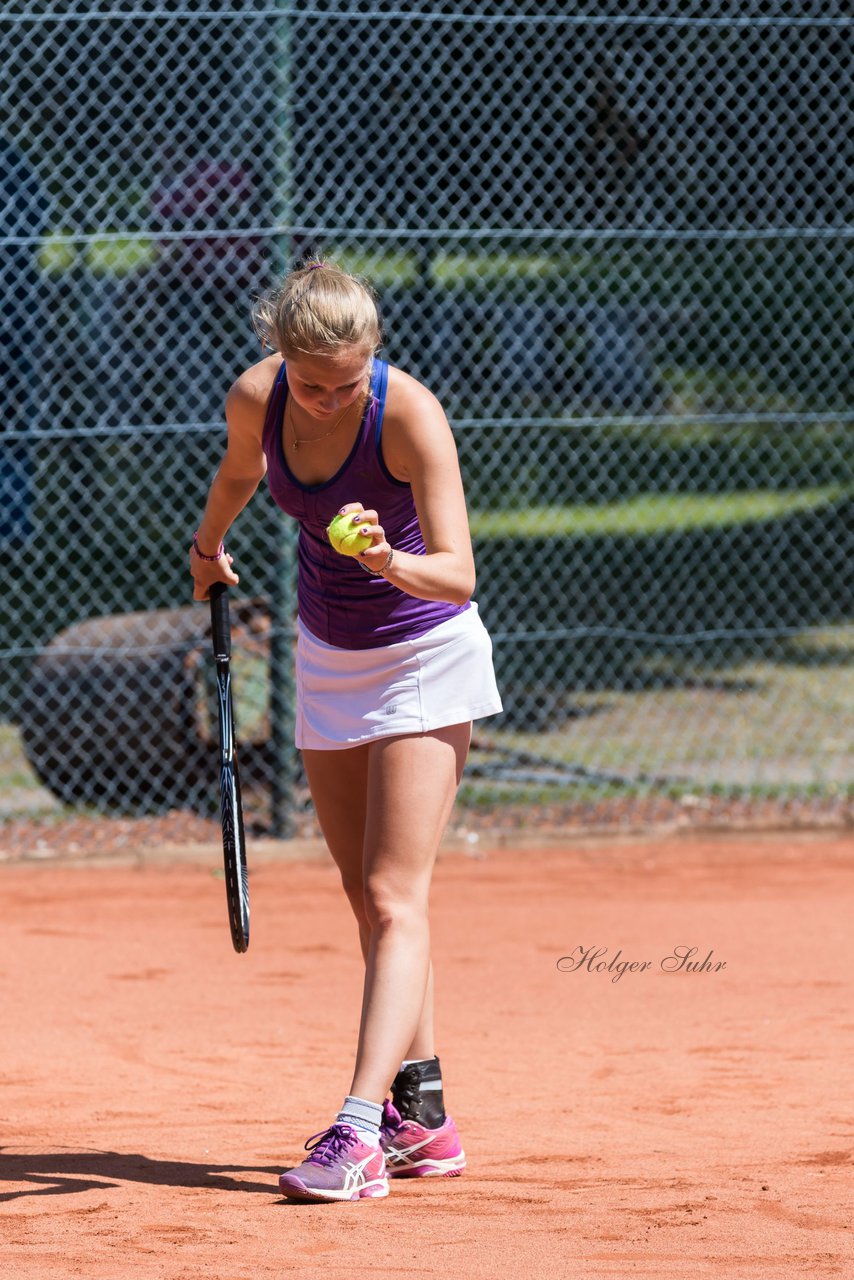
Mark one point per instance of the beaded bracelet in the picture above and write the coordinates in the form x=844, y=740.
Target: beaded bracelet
x=201, y=554
x=378, y=573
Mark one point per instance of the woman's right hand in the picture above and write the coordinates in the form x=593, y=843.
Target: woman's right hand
x=207, y=572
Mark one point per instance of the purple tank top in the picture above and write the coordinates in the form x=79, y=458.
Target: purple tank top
x=337, y=601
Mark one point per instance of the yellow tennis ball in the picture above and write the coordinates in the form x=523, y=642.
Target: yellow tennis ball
x=346, y=537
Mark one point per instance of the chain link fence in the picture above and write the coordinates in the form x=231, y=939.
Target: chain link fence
x=615, y=239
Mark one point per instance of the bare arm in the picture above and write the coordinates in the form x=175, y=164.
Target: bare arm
x=236, y=480
x=418, y=447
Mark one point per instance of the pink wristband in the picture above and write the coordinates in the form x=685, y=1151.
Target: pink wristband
x=201, y=554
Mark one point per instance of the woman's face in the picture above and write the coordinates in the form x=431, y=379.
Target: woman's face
x=326, y=384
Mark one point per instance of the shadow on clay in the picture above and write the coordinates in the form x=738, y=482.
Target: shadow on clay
x=67, y=1172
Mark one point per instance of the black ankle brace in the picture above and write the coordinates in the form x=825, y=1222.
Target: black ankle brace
x=416, y=1092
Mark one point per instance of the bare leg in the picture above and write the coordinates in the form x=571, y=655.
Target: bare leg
x=382, y=809
x=338, y=781
x=412, y=782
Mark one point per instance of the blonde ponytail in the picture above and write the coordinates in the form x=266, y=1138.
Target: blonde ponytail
x=318, y=309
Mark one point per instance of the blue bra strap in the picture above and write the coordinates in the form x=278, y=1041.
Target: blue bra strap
x=380, y=389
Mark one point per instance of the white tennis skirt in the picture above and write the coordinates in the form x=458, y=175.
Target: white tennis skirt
x=350, y=696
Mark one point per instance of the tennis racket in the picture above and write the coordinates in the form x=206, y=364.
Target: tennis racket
x=231, y=810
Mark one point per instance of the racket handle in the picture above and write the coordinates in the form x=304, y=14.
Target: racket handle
x=220, y=622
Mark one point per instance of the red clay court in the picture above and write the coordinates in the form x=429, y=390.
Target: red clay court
x=655, y=1123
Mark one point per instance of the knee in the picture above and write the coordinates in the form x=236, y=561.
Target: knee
x=387, y=907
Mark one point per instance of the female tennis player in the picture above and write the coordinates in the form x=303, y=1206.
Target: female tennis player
x=392, y=666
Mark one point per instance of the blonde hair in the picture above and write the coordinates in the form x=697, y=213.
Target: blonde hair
x=318, y=309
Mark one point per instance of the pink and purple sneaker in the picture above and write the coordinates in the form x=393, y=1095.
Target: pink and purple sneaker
x=340, y=1167
x=414, y=1151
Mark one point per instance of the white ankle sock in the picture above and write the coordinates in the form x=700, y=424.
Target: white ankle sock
x=363, y=1116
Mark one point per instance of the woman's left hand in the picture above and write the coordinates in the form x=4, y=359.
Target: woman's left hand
x=368, y=522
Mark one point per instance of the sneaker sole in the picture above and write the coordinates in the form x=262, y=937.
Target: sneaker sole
x=296, y=1190
x=451, y=1168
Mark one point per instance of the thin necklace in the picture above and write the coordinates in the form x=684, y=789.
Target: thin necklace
x=289, y=417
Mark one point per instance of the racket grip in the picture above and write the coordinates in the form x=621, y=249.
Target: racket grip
x=220, y=621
